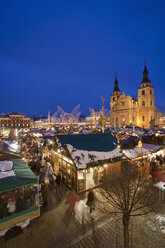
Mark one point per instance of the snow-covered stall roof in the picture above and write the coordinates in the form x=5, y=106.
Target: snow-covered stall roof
x=104, y=149
x=82, y=158
x=6, y=169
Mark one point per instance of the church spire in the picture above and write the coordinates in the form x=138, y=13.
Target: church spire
x=116, y=88
x=145, y=74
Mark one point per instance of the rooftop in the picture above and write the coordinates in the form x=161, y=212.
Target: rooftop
x=102, y=142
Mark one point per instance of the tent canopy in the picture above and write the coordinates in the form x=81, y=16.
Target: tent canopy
x=24, y=177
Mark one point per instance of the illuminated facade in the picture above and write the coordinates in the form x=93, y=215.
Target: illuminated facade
x=140, y=111
x=15, y=121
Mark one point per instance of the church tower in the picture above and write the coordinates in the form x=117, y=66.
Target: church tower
x=113, y=102
x=146, y=105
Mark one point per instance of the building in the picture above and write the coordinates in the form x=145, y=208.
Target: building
x=140, y=111
x=15, y=120
x=162, y=122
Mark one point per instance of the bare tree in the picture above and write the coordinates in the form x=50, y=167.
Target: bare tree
x=130, y=194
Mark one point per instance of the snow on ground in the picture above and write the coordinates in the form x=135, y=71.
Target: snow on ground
x=161, y=219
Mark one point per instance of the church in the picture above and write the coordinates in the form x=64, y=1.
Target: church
x=140, y=111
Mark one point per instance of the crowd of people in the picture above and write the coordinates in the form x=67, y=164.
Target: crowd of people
x=18, y=200
x=42, y=168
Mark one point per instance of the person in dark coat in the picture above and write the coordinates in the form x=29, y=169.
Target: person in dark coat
x=58, y=183
x=44, y=193
x=90, y=200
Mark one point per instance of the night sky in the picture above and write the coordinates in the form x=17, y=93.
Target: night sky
x=67, y=52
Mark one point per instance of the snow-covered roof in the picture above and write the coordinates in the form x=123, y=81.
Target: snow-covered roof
x=135, y=152
x=82, y=158
x=151, y=147
x=138, y=132
x=6, y=169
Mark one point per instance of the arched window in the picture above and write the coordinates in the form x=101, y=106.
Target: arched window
x=143, y=103
x=151, y=103
x=151, y=92
x=143, y=92
x=143, y=118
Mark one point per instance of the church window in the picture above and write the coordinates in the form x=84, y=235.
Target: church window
x=143, y=118
x=151, y=103
x=151, y=92
x=143, y=103
x=143, y=92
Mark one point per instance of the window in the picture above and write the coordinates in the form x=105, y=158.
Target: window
x=151, y=92
x=151, y=103
x=151, y=118
x=143, y=92
x=143, y=118
x=143, y=103
x=113, y=98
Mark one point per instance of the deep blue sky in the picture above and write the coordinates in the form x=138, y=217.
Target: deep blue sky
x=67, y=52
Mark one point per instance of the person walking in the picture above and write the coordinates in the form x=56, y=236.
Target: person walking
x=58, y=183
x=44, y=193
x=91, y=200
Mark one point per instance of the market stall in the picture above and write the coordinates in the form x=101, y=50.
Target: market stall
x=19, y=199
